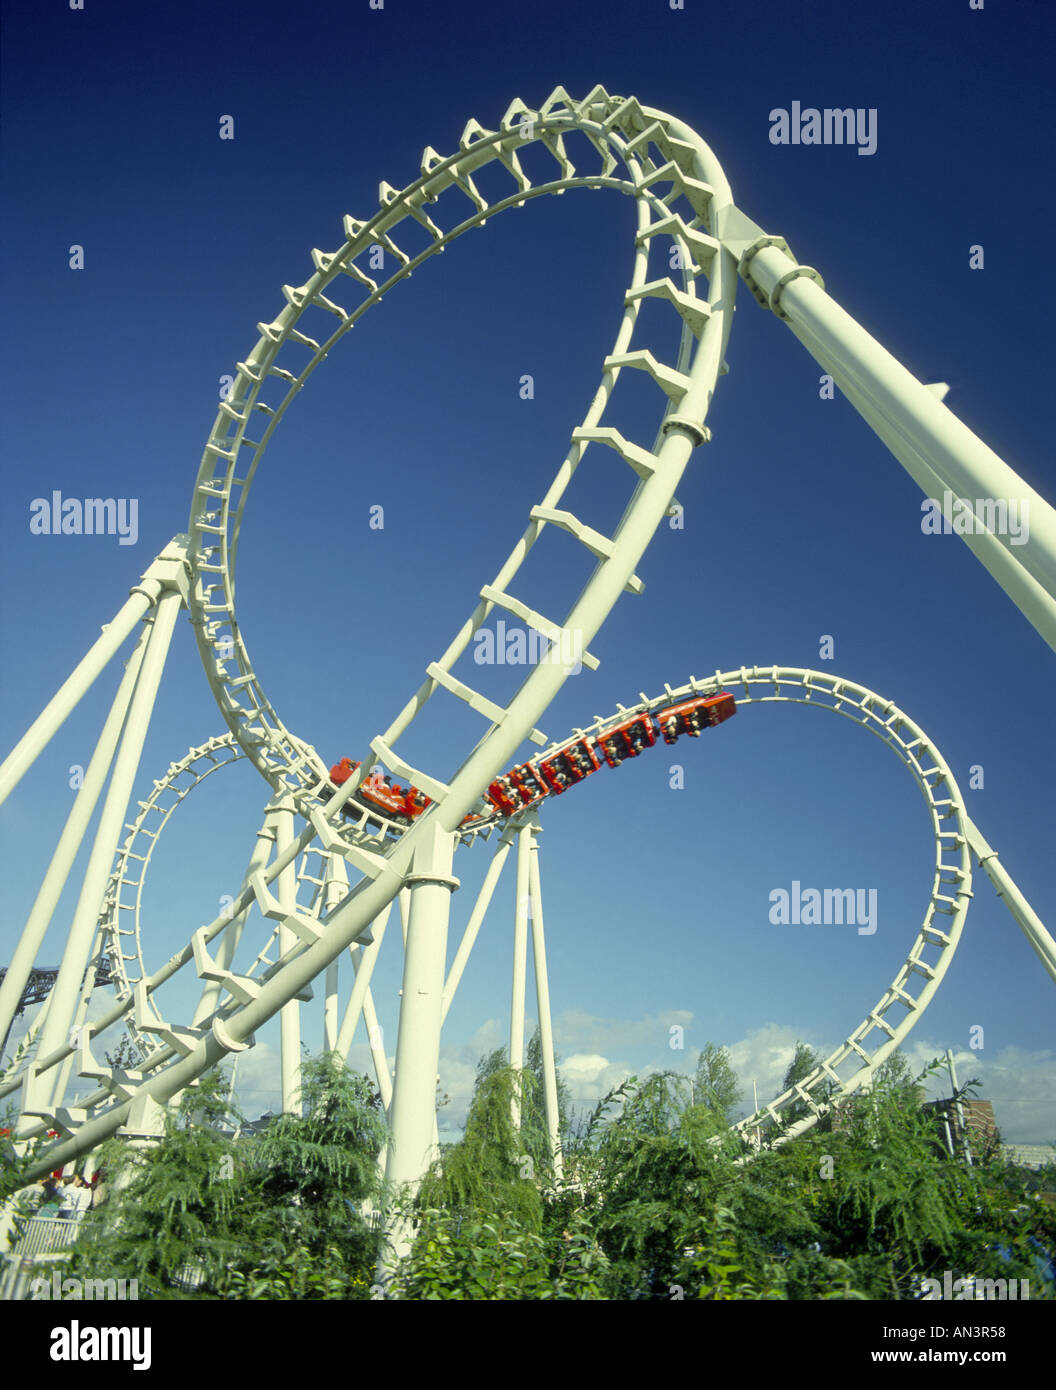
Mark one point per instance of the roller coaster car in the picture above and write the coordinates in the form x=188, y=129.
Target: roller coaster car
x=518, y=787
x=502, y=795
x=693, y=716
x=342, y=771
x=401, y=806
x=416, y=802
x=531, y=782
x=571, y=765
x=628, y=739
x=391, y=799
x=528, y=784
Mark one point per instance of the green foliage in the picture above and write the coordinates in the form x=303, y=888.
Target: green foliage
x=201, y=1215
x=864, y=1209
x=651, y=1161
x=804, y=1062
x=14, y=1167
x=311, y=1176
x=877, y=1203
x=659, y=1200
x=177, y=1205
x=488, y=1174
x=472, y=1258
x=534, y=1135
x=715, y=1084
x=127, y=1055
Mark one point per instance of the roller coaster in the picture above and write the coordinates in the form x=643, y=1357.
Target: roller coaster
x=334, y=854
x=528, y=783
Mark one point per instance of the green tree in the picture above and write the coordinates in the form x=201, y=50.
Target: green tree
x=488, y=1228
x=895, y=1073
x=311, y=1175
x=656, y=1165
x=804, y=1062
x=716, y=1084
x=875, y=1204
x=535, y=1137
x=488, y=1174
x=176, y=1212
x=666, y=1203
x=468, y=1257
x=276, y=1215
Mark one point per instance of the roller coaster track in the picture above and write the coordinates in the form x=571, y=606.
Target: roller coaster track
x=884, y=1026
x=678, y=187
x=683, y=203
x=635, y=152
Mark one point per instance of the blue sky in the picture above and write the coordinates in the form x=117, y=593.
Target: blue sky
x=798, y=523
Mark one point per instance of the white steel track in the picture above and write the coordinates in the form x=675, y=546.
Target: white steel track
x=885, y=1025
x=648, y=158
x=683, y=201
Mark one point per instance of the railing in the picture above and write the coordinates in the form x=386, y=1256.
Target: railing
x=42, y=1235
x=188, y=1277
x=37, y=1238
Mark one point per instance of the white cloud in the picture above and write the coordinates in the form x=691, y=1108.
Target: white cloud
x=583, y=1032
x=764, y=1056
x=589, y=1076
x=258, y=1087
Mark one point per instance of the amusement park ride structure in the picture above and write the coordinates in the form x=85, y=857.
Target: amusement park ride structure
x=329, y=860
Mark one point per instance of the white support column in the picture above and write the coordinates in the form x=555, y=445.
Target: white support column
x=363, y=961
x=69, y=844
x=413, y=1109
x=79, y=1020
x=1031, y=924
x=476, y=917
x=542, y=990
x=82, y=931
x=376, y=1039
x=290, y=1013
x=227, y=943
x=1036, y=605
x=520, y=963
x=335, y=889
x=54, y=714
x=142, y=1130
x=917, y=424
x=330, y=1004
x=405, y=910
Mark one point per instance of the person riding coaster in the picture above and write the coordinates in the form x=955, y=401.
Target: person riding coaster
x=529, y=783
x=339, y=775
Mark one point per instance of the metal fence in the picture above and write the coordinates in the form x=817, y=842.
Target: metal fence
x=42, y=1241
x=43, y=1235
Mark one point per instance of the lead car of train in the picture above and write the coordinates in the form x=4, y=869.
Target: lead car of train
x=531, y=782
